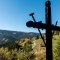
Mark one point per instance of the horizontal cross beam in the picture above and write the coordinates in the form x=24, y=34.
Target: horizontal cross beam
x=41, y=25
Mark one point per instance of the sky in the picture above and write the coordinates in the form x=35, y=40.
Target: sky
x=15, y=13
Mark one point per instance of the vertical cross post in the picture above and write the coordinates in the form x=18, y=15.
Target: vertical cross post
x=49, y=55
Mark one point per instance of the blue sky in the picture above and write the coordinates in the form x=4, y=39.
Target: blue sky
x=15, y=13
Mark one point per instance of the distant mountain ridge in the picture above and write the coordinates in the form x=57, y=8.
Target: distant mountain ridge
x=9, y=36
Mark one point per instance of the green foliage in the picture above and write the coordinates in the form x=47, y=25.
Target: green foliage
x=56, y=47
x=57, y=51
x=17, y=51
x=27, y=47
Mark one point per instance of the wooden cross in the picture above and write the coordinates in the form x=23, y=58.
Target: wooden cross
x=48, y=26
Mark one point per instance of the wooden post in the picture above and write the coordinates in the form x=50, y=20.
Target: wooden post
x=49, y=55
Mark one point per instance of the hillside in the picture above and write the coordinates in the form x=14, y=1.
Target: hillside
x=29, y=49
x=25, y=46
x=9, y=36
